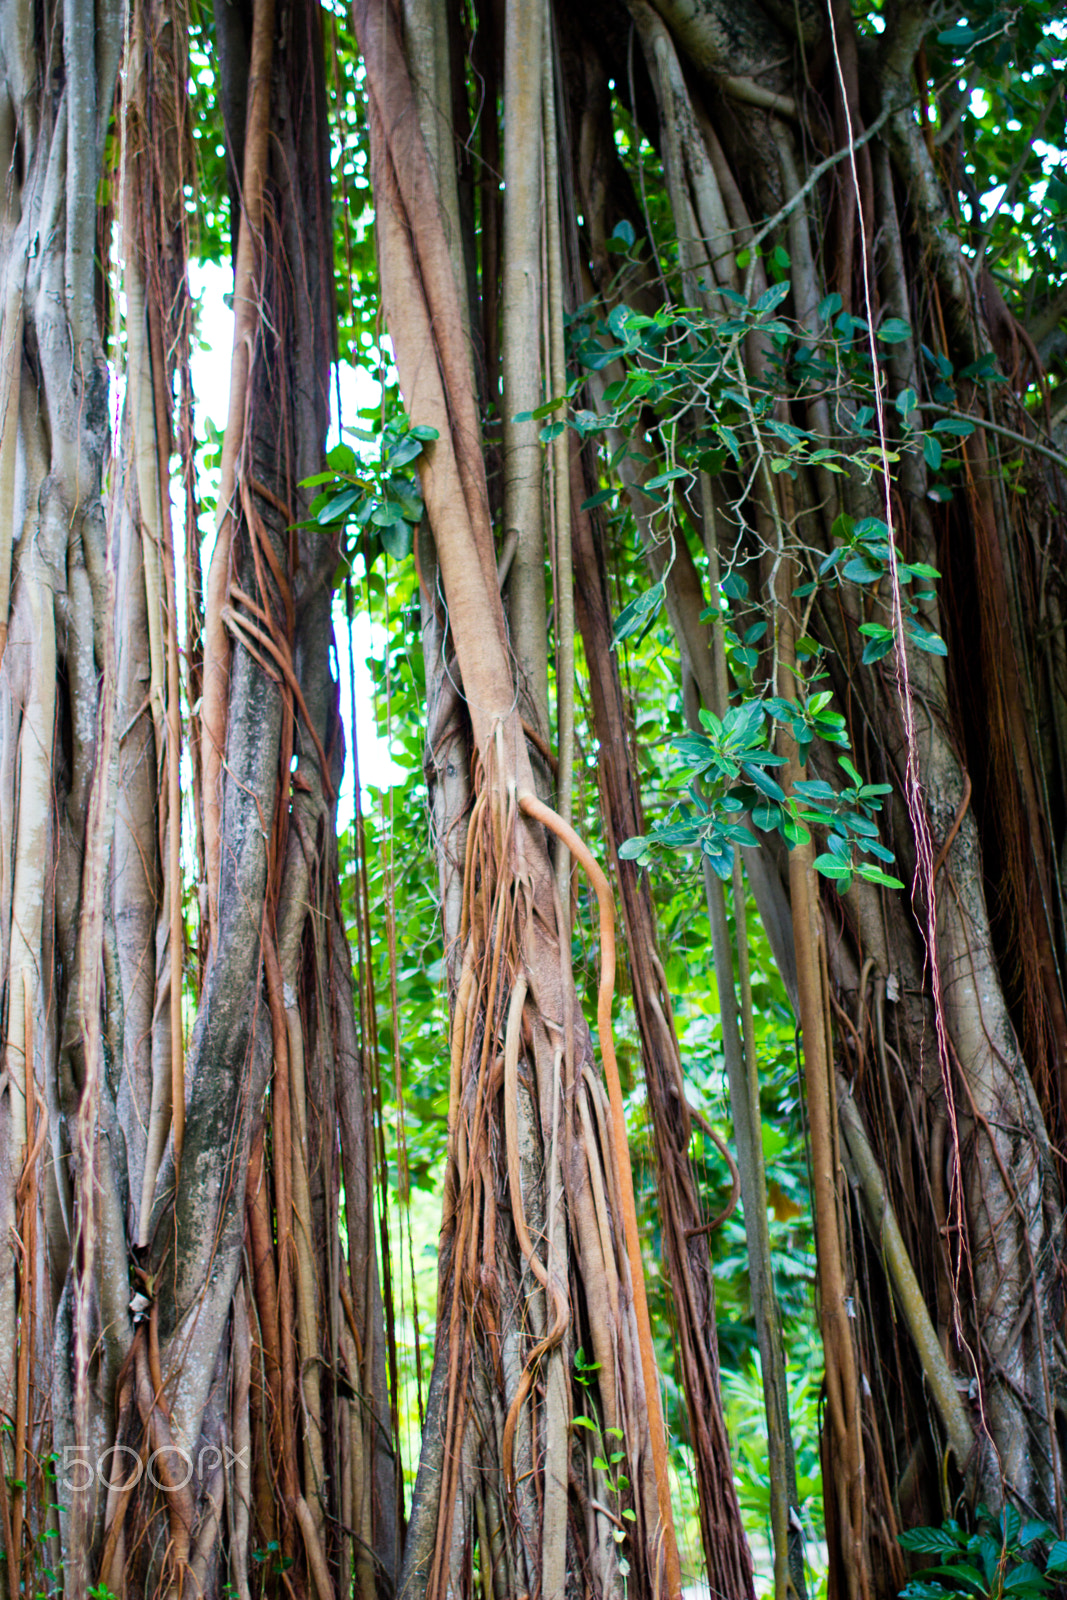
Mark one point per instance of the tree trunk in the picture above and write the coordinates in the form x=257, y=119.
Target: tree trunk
x=790, y=129
x=189, y=1323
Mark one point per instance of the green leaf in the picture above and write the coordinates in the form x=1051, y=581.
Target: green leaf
x=833, y=867
x=694, y=748
x=598, y=499
x=875, y=649
x=764, y=782
x=729, y=439
x=829, y=307
x=664, y=478
x=552, y=431
x=633, y=849
x=786, y=431
x=342, y=458
x=932, y=452
x=958, y=426
x=876, y=875
x=624, y=233
x=859, y=570
x=772, y=297
x=318, y=479
x=1057, y=1558
x=402, y=454
x=547, y=409
x=923, y=639
x=339, y=505
x=931, y=1541
x=397, y=539
x=407, y=496
x=386, y=512
x=894, y=330
x=1026, y=1579
x=961, y=1572
x=638, y=613
x=584, y=1422
x=424, y=433
x=813, y=789
x=906, y=401
x=958, y=37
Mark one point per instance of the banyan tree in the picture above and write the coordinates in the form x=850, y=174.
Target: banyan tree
x=707, y=318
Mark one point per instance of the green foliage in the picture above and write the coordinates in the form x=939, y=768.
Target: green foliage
x=726, y=771
x=609, y=1459
x=1003, y=63
x=745, y=1411
x=378, y=495
x=1001, y=1559
x=682, y=362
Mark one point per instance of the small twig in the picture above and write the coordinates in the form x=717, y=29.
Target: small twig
x=735, y=1177
x=809, y=183
x=1005, y=433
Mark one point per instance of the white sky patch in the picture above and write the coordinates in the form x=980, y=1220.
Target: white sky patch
x=211, y=285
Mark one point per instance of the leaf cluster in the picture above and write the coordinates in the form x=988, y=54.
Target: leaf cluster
x=377, y=494
x=1001, y=1560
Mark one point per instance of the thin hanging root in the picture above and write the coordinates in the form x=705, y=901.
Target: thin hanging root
x=735, y=1177
x=512, y=1040
x=316, y=1555
x=886, y=1233
x=539, y=812
x=249, y=245
x=173, y=737
x=241, y=627
x=26, y=1242
x=239, y=1487
x=561, y=481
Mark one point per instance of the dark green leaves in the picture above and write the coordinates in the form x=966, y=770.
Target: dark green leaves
x=771, y=298
x=622, y=238
x=639, y=615
x=379, y=496
x=989, y=1564
x=959, y=426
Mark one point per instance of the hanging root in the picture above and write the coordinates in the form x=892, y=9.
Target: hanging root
x=539, y=812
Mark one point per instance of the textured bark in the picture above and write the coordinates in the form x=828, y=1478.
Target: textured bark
x=687, y=1260
x=524, y=1161
x=170, y=1265
x=953, y=1159
x=949, y=1017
